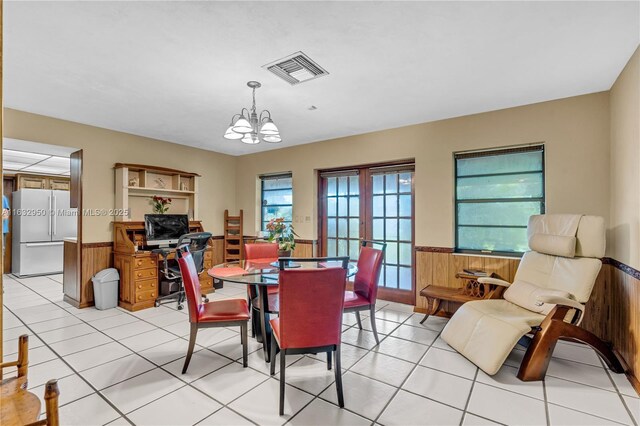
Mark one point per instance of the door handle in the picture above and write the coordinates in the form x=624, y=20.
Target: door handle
x=49, y=232
x=55, y=243
x=55, y=215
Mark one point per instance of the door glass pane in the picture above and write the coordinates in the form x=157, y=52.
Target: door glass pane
x=342, y=228
x=331, y=206
x=391, y=276
x=354, y=206
x=342, y=185
x=404, y=182
x=331, y=228
x=354, y=185
x=354, y=249
x=343, y=248
x=342, y=206
x=378, y=184
x=405, y=278
x=378, y=206
x=391, y=206
x=391, y=231
x=391, y=183
x=405, y=230
x=354, y=228
x=391, y=255
x=405, y=205
x=332, y=186
x=331, y=247
x=378, y=229
x=405, y=254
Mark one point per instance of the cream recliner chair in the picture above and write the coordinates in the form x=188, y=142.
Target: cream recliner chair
x=547, y=298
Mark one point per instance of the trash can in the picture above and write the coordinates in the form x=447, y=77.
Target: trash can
x=105, y=288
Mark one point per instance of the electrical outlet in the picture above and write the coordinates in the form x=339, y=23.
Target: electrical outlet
x=307, y=219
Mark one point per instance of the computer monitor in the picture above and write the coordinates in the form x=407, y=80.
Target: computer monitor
x=165, y=229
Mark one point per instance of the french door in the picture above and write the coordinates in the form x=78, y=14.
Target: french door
x=372, y=203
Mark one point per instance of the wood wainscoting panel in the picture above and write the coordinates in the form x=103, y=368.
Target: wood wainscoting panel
x=304, y=248
x=95, y=258
x=439, y=266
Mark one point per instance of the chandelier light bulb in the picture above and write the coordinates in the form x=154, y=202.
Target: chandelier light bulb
x=242, y=126
x=230, y=134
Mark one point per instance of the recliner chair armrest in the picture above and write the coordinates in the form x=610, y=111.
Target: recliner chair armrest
x=496, y=281
x=563, y=301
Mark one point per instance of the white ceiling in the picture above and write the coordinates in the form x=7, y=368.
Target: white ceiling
x=177, y=70
x=33, y=157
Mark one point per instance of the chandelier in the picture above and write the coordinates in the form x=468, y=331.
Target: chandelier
x=250, y=127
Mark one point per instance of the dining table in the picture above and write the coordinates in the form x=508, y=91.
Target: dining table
x=263, y=274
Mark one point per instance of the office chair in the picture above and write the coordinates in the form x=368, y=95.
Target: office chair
x=197, y=243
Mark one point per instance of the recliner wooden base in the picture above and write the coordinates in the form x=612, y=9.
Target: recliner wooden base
x=536, y=359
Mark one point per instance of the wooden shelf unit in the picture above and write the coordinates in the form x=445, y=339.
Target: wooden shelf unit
x=140, y=270
x=136, y=185
x=233, y=237
x=28, y=181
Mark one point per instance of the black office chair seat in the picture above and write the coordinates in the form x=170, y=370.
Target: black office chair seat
x=197, y=242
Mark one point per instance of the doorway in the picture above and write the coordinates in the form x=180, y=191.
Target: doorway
x=374, y=202
x=37, y=187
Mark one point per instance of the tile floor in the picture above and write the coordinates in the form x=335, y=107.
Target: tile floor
x=116, y=367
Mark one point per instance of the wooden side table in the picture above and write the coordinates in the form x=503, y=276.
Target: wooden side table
x=472, y=290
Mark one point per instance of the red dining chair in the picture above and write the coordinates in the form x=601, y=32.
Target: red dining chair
x=365, y=285
x=223, y=313
x=310, y=318
x=262, y=253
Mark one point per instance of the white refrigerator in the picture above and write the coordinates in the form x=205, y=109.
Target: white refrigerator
x=42, y=218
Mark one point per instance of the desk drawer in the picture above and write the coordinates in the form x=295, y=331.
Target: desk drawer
x=144, y=263
x=145, y=285
x=143, y=296
x=141, y=274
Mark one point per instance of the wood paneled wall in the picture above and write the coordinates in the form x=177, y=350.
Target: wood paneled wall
x=613, y=313
x=95, y=257
x=438, y=266
x=304, y=248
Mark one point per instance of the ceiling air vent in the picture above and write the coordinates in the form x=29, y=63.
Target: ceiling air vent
x=296, y=68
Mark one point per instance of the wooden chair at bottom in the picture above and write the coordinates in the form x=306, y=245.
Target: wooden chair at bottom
x=20, y=407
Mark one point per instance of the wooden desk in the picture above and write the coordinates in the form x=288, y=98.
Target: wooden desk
x=140, y=271
x=472, y=290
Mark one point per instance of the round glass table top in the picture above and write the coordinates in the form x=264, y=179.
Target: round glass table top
x=265, y=271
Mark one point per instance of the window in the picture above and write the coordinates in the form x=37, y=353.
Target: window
x=277, y=198
x=496, y=192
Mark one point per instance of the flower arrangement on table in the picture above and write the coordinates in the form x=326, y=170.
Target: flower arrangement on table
x=283, y=234
x=160, y=204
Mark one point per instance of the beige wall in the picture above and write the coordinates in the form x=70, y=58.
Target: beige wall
x=103, y=148
x=625, y=164
x=575, y=132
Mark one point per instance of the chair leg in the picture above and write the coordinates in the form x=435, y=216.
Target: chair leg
x=373, y=323
x=192, y=344
x=244, y=338
x=536, y=359
x=282, y=367
x=424, y=319
x=51, y=394
x=253, y=324
x=274, y=349
x=328, y=360
x=338, y=373
x=359, y=321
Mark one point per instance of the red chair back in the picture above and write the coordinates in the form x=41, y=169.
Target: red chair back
x=369, y=267
x=190, y=281
x=261, y=251
x=311, y=303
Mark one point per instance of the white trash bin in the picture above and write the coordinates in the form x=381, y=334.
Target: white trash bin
x=105, y=288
